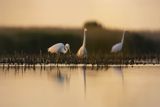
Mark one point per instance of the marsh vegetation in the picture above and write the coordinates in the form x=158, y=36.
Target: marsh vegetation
x=29, y=45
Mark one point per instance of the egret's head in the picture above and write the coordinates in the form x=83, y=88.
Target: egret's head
x=67, y=47
x=85, y=29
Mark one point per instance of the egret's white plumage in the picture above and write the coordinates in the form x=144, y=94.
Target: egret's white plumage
x=118, y=47
x=82, y=52
x=59, y=48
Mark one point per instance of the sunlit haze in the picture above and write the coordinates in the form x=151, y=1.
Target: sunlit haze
x=129, y=14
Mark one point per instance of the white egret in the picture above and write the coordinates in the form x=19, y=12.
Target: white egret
x=118, y=47
x=82, y=52
x=59, y=48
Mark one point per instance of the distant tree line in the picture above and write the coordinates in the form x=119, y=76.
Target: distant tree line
x=99, y=40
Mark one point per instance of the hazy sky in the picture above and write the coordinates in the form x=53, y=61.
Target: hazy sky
x=130, y=14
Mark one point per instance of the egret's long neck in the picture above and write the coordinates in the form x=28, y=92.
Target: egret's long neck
x=123, y=37
x=84, y=39
x=65, y=50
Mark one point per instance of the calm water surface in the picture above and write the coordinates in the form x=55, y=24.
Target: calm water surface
x=80, y=87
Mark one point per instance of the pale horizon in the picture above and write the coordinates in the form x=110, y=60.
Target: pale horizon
x=122, y=14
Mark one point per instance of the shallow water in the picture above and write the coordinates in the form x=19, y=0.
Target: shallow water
x=79, y=87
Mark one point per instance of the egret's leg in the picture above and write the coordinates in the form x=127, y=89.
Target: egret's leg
x=114, y=59
x=122, y=58
x=58, y=57
x=84, y=60
x=58, y=71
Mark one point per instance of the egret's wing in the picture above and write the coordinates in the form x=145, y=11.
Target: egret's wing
x=82, y=52
x=56, y=48
x=117, y=47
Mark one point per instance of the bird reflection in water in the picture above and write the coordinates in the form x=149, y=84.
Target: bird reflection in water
x=84, y=78
x=119, y=71
x=62, y=77
x=59, y=77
